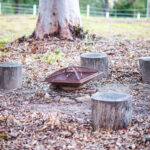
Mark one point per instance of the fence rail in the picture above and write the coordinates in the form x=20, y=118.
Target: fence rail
x=11, y=8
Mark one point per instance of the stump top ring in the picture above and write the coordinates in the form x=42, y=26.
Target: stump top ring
x=9, y=64
x=93, y=55
x=145, y=58
x=111, y=97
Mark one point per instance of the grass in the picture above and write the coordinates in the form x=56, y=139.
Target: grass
x=14, y=26
x=119, y=28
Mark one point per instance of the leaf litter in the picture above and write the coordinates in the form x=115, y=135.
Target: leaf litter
x=40, y=116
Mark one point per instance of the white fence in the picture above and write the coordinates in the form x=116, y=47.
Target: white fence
x=11, y=8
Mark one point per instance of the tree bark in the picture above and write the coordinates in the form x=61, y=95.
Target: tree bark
x=106, y=5
x=56, y=17
x=145, y=68
x=98, y=61
x=16, y=6
x=10, y=75
x=111, y=110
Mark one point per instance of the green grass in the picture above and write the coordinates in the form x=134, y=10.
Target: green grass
x=118, y=28
x=14, y=26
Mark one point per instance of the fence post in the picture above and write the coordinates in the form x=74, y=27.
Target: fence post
x=147, y=8
x=115, y=13
x=34, y=10
x=107, y=15
x=0, y=8
x=88, y=11
x=134, y=13
x=138, y=16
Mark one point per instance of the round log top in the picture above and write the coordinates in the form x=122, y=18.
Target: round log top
x=145, y=58
x=9, y=64
x=93, y=55
x=111, y=97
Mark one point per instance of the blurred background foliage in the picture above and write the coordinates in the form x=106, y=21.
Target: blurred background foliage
x=118, y=4
x=97, y=7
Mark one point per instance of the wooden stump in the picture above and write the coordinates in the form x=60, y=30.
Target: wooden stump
x=111, y=110
x=145, y=68
x=98, y=61
x=10, y=75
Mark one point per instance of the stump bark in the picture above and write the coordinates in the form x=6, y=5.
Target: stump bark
x=145, y=68
x=98, y=61
x=10, y=75
x=111, y=110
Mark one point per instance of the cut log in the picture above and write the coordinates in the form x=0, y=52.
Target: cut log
x=145, y=68
x=111, y=110
x=10, y=75
x=98, y=61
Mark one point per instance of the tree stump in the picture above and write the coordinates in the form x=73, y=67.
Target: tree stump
x=145, y=68
x=98, y=61
x=111, y=110
x=10, y=75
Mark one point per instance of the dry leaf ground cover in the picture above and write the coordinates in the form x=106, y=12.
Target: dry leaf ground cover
x=39, y=116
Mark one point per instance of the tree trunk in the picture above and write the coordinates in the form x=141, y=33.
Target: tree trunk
x=106, y=5
x=16, y=6
x=56, y=17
